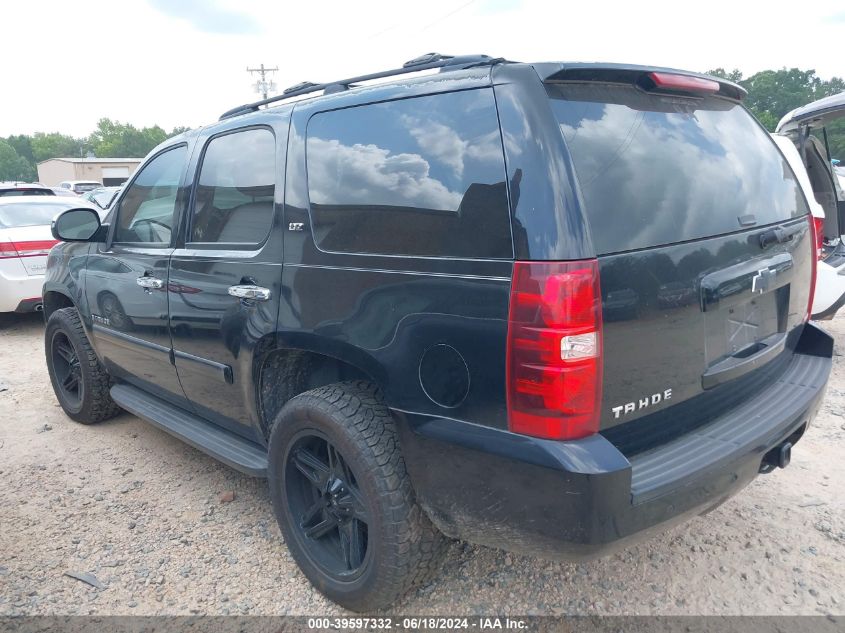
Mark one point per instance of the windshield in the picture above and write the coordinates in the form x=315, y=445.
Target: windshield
x=28, y=214
x=104, y=197
x=657, y=170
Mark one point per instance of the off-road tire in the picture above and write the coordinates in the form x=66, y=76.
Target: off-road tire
x=95, y=404
x=406, y=548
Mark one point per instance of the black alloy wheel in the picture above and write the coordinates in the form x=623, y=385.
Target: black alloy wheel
x=67, y=368
x=80, y=381
x=326, y=504
x=344, y=500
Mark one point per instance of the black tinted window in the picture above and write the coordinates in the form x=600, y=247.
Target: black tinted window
x=148, y=208
x=422, y=176
x=234, y=197
x=657, y=170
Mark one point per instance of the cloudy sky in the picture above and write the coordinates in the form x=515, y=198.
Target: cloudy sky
x=182, y=62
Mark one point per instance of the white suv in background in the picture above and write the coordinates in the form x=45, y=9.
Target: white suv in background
x=802, y=136
x=80, y=186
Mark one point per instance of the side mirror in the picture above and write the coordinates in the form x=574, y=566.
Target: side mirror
x=77, y=225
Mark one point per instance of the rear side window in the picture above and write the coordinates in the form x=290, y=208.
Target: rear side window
x=234, y=197
x=422, y=176
x=657, y=170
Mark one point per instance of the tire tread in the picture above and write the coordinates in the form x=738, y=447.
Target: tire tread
x=416, y=547
x=97, y=405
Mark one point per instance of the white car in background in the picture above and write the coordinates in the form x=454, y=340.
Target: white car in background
x=17, y=188
x=103, y=198
x=804, y=130
x=61, y=191
x=80, y=186
x=25, y=241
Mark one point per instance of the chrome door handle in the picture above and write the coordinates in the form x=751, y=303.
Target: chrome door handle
x=149, y=282
x=250, y=292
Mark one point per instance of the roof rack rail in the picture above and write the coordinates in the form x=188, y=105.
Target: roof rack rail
x=423, y=62
x=300, y=86
x=426, y=59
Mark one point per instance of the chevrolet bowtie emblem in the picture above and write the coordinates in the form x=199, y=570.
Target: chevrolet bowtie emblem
x=762, y=280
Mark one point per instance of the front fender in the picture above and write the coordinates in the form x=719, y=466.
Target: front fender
x=65, y=276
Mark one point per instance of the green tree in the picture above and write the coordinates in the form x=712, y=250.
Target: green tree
x=113, y=139
x=836, y=139
x=23, y=146
x=54, y=145
x=769, y=120
x=773, y=93
x=13, y=166
x=735, y=75
x=776, y=92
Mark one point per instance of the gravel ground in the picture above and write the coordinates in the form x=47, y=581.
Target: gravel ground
x=149, y=518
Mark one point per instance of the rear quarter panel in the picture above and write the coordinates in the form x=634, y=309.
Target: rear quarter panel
x=384, y=313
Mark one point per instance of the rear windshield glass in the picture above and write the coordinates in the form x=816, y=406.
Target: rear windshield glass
x=83, y=187
x=657, y=170
x=26, y=214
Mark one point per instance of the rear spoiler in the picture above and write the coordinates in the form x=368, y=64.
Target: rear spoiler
x=631, y=74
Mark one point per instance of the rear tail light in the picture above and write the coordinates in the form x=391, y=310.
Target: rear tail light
x=7, y=250
x=26, y=249
x=816, y=226
x=683, y=83
x=554, y=353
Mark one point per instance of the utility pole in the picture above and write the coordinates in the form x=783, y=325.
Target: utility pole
x=263, y=85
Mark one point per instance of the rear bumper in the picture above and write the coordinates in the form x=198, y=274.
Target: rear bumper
x=15, y=293
x=33, y=304
x=572, y=500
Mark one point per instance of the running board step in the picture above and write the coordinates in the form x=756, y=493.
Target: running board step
x=233, y=450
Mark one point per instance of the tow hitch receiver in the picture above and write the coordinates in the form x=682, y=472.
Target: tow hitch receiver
x=778, y=457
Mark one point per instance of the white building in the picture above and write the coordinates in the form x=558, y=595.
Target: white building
x=109, y=171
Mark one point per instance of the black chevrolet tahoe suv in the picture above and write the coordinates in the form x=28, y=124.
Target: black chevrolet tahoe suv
x=543, y=307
